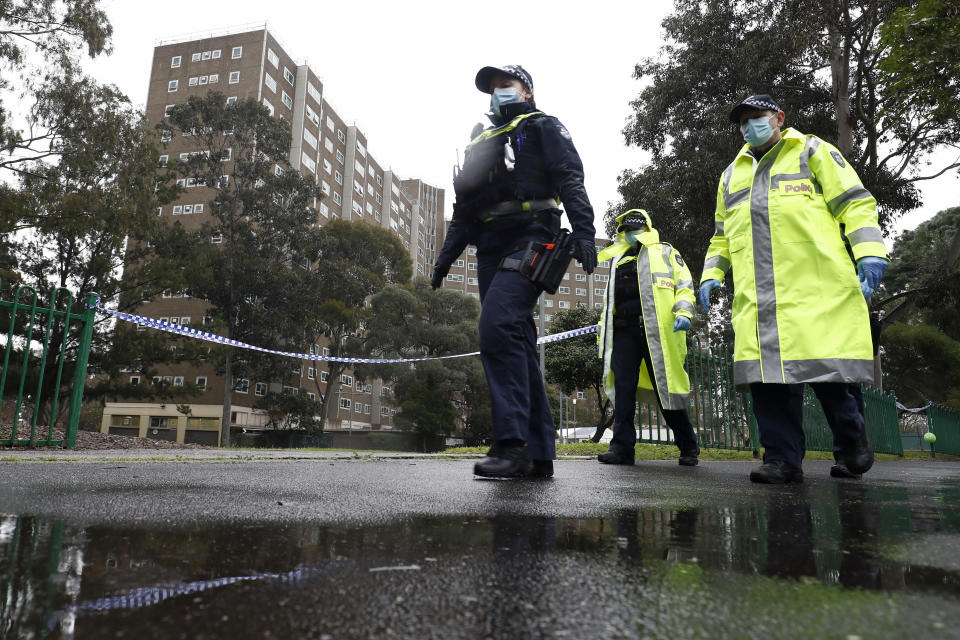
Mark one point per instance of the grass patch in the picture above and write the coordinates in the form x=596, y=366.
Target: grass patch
x=669, y=452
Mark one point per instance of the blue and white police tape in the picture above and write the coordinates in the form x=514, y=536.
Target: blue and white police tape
x=172, y=327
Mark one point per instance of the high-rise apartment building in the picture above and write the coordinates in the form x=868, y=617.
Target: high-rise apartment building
x=253, y=64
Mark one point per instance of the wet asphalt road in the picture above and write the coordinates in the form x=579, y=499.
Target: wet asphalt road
x=416, y=548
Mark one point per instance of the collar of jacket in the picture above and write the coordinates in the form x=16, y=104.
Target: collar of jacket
x=788, y=135
x=621, y=246
x=510, y=111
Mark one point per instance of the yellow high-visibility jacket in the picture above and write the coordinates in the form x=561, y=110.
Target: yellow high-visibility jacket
x=798, y=313
x=666, y=292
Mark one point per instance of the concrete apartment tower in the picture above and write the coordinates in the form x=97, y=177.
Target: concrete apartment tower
x=253, y=64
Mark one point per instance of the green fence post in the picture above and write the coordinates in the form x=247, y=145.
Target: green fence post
x=80, y=375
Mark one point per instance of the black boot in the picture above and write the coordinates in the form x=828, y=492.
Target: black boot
x=776, y=472
x=541, y=469
x=689, y=458
x=613, y=457
x=840, y=470
x=505, y=461
x=858, y=457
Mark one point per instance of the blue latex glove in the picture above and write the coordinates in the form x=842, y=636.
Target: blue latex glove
x=870, y=270
x=681, y=324
x=705, y=290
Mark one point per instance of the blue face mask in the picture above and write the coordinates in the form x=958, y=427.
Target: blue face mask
x=757, y=131
x=507, y=95
x=633, y=236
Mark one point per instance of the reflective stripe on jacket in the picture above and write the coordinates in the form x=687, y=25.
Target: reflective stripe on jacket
x=798, y=313
x=666, y=292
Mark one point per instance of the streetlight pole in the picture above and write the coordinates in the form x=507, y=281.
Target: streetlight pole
x=575, y=416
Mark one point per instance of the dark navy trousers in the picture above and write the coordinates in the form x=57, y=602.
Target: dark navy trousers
x=779, y=412
x=630, y=350
x=511, y=362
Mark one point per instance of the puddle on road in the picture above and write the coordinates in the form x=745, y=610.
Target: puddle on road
x=831, y=561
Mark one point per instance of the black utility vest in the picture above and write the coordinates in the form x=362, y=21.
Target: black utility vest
x=488, y=177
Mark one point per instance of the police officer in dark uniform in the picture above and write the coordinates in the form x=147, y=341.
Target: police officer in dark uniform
x=514, y=177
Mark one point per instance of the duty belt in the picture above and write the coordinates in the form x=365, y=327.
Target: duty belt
x=627, y=321
x=513, y=207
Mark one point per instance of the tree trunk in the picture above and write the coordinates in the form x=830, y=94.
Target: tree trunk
x=840, y=81
x=227, y=401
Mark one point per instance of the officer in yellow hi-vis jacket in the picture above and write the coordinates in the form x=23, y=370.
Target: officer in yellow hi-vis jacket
x=646, y=314
x=799, y=310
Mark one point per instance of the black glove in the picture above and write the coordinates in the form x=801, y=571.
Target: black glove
x=439, y=273
x=586, y=252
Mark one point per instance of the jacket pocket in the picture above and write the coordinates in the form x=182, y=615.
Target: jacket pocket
x=737, y=242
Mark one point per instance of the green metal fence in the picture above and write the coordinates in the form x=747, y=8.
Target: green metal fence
x=723, y=417
x=41, y=342
x=945, y=424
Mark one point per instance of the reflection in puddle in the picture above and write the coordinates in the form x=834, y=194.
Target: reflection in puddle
x=844, y=552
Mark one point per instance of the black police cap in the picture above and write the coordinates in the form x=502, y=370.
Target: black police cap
x=485, y=75
x=761, y=101
x=633, y=221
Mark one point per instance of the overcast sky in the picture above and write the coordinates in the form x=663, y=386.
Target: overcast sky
x=403, y=71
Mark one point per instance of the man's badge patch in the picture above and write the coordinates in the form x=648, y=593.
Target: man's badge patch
x=839, y=158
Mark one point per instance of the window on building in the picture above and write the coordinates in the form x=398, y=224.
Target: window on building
x=340, y=136
x=231, y=100
x=216, y=237
x=172, y=86
x=325, y=210
x=563, y=304
x=548, y=303
x=287, y=100
x=288, y=76
x=195, y=57
x=226, y=154
x=581, y=277
x=270, y=82
x=192, y=82
x=315, y=94
x=175, y=62
x=308, y=162
x=236, y=53
x=206, y=55
x=601, y=277
x=581, y=292
x=214, y=78
x=243, y=386
x=311, y=373
x=216, y=54
x=234, y=77
x=324, y=376
x=328, y=145
x=339, y=156
x=202, y=382
x=177, y=209
x=260, y=389
x=134, y=381
x=269, y=106
x=598, y=292
x=187, y=209
x=384, y=411
x=338, y=177
x=347, y=380
x=164, y=159
x=357, y=208
x=273, y=58
x=345, y=403
x=198, y=208
x=564, y=290
x=330, y=123
x=312, y=116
